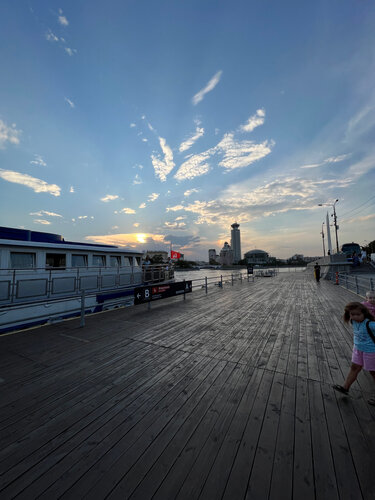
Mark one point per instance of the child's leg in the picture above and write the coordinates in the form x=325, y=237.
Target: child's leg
x=352, y=375
x=371, y=401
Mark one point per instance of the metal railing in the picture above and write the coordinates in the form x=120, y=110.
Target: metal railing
x=357, y=284
x=229, y=279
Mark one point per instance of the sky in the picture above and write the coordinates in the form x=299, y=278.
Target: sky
x=159, y=123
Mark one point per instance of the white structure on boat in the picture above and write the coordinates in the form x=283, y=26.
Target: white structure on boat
x=42, y=277
x=236, y=242
x=226, y=255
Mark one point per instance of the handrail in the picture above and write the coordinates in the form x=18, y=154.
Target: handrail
x=358, y=284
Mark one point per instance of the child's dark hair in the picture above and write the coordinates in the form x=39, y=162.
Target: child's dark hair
x=357, y=306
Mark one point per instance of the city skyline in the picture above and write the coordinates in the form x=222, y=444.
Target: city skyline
x=158, y=123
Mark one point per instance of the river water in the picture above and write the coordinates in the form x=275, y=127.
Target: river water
x=211, y=274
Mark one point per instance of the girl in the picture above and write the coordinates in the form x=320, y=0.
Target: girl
x=364, y=344
x=370, y=302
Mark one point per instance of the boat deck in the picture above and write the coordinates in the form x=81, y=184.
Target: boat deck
x=221, y=396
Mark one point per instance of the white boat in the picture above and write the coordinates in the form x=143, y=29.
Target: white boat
x=43, y=277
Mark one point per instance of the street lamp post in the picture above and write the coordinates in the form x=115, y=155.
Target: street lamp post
x=334, y=220
x=322, y=233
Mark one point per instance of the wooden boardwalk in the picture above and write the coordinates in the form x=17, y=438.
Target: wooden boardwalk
x=221, y=396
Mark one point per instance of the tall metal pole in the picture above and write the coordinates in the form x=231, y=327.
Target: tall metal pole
x=324, y=248
x=335, y=224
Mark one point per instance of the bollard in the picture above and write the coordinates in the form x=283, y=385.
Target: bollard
x=205, y=279
x=337, y=278
x=221, y=280
x=82, y=324
x=232, y=278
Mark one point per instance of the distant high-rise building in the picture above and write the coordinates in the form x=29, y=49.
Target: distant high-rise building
x=226, y=255
x=235, y=242
x=212, y=255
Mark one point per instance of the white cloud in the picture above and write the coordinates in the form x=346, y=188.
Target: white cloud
x=175, y=225
x=63, y=21
x=132, y=125
x=8, y=134
x=199, y=132
x=71, y=103
x=71, y=190
x=38, y=161
x=41, y=221
x=254, y=121
x=137, y=179
x=51, y=37
x=42, y=213
x=241, y=154
x=142, y=205
x=83, y=217
x=70, y=51
x=175, y=208
x=128, y=211
x=210, y=86
x=38, y=185
x=150, y=126
x=189, y=192
x=136, y=224
x=153, y=196
x=332, y=159
x=194, y=166
x=109, y=197
x=163, y=167
x=144, y=139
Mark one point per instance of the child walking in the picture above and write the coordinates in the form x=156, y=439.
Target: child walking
x=370, y=302
x=364, y=344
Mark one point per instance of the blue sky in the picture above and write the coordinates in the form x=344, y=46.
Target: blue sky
x=143, y=123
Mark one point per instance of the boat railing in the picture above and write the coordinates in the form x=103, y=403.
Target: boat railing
x=24, y=285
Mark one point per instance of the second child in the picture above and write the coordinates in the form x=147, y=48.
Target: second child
x=370, y=302
x=364, y=345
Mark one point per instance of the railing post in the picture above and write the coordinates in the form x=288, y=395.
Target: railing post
x=232, y=278
x=82, y=324
x=241, y=277
x=205, y=279
x=184, y=291
x=346, y=281
x=221, y=280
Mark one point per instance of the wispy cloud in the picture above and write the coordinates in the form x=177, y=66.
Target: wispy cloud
x=175, y=208
x=137, y=179
x=71, y=103
x=189, y=192
x=125, y=210
x=62, y=19
x=8, y=134
x=132, y=125
x=332, y=159
x=242, y=153
x=38, y=161
x=153, y=196
x=42, y=221
x=136, y=224
x=42, y=213
x=37, y=185
x=195, y=166
x=142, y=205
x=70, y=51
x=175, y=225
x=51, y=37
x=109, y=197
x=163, y=167
x=71, y=190
x=199, y=132
x=210, y=86
x=254, y=121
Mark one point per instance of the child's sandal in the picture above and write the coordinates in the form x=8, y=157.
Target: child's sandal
x=340, y=388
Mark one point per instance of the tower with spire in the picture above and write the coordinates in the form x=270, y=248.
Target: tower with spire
x=236, y=242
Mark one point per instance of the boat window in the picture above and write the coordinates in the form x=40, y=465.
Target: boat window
x=127, y=261
x=137, y=261
x=115, y=261
x=98, y=260
x=55, y=260
x=22, y=260
x=79, y=260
